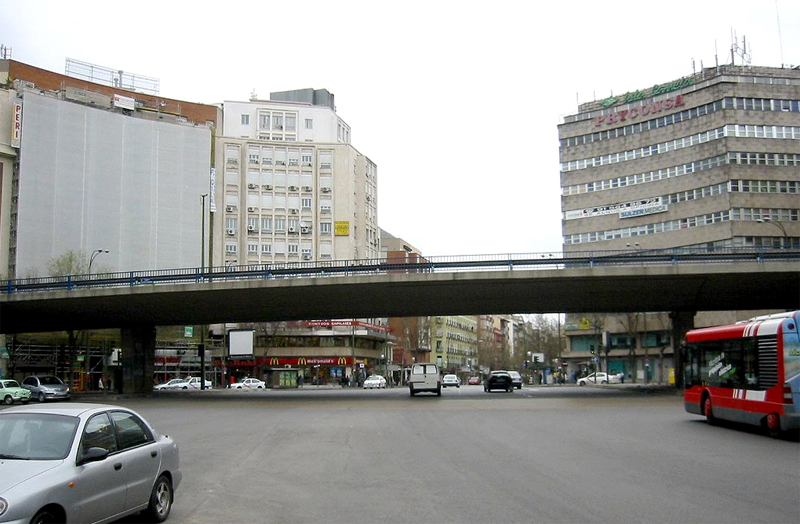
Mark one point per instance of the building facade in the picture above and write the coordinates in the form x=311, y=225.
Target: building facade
x=87, y=166
x=292, y=188
x=710, y=160
x=454, y=345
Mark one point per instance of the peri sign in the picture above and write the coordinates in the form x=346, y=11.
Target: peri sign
x=16, y=126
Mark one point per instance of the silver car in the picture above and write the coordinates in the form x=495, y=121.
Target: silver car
x=46, y=387
x=84, y=463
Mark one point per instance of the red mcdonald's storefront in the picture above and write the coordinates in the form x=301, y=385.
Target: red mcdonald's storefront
x=322, y=369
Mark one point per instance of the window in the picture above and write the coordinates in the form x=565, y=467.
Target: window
x=245, y=120
x=309, y=123
x=131, y=430
x=98, y=433
x=325, y=228
x=277, y=122
x=291, y=123
x=230, y=249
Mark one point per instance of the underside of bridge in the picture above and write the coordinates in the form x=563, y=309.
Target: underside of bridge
x=136, y=310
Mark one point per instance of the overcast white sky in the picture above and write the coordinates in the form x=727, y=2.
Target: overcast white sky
x=457, y=102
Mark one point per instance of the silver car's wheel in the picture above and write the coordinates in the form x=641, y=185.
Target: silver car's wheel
x=160, y=500
x=45, y=516
x=40, y=398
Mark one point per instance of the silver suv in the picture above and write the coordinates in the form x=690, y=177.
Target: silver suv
x=46, y=387
x=516, y=379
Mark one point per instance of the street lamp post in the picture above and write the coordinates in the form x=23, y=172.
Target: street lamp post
x=202, y=348
x=91, y=258
x=776, y=223
x=87, y=358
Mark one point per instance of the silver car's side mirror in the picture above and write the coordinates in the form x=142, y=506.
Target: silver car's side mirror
x=93, y=455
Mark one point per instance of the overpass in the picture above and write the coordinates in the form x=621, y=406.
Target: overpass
x=680, y=281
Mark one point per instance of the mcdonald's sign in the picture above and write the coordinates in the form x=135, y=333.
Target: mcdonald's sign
x=274, y=361
x=342, y=361
x=302, y=361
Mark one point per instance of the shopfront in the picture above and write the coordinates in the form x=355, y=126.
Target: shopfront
x=289, y=371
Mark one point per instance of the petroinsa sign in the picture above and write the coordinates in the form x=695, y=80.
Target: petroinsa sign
x=635, y=112
x=634, y=96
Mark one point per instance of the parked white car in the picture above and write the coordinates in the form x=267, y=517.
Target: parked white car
x=170, y=384
x=194, y=383
x=249, y=383
x=374, y=381
x=600, y=378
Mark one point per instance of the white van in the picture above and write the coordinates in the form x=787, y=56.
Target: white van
x=424, y=377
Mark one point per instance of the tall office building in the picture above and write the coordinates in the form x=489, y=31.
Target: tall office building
x=292, y=187
x=708, y=160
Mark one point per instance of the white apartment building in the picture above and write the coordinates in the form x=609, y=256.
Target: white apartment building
x=290, y=187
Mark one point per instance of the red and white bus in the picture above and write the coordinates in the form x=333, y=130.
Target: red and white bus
x=748, y=372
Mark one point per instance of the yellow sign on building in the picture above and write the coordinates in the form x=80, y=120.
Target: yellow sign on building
x=341, y=228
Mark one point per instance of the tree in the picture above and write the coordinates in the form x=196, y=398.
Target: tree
x=630, y=322
x=598, y=323
x=70, y=263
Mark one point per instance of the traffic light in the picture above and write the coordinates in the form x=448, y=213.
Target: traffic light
x=591, y=349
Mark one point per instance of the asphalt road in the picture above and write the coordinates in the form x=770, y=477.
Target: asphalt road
x=539, y=455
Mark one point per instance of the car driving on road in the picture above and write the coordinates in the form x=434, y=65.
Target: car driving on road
x=450, y=380
x=424, y=377
x=516, y=379
x=499, y=379
x=375, y=381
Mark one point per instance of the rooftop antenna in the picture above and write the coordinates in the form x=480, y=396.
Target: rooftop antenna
x=253, y=95
x=742, y=51
x=5, y=52
x=780, y=38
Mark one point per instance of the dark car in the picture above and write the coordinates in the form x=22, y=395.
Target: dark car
x=499, y=380
x=46, y=387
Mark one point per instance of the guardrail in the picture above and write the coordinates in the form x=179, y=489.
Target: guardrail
x=439, y=264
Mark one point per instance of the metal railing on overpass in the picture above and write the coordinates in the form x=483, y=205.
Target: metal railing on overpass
x=438, y=264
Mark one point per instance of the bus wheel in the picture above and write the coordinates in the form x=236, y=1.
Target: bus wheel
x=774, y=425
x=708, y=411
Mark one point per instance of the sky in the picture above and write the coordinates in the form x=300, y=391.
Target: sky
x=457, y=102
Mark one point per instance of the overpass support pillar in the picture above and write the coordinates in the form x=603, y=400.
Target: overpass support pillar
x=682, y=323
x=138, y=359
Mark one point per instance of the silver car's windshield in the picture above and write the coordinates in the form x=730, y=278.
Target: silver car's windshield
x=28, y=436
